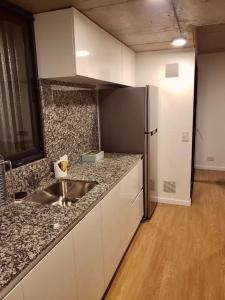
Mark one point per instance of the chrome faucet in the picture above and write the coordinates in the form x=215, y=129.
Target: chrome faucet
x=34, y=179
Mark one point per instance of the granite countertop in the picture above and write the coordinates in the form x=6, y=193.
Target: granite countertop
x=28, y=231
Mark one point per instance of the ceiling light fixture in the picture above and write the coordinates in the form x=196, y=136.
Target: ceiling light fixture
x=179, y=42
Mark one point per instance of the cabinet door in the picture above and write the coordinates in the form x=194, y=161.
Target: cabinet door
x=140, y=175
x=111, y=226
x=130, y=186
x=53, y=277
x=136, y=213
x=128, y=66
x=132, y=183
x=89, y=253
x=55, y=44
x=15, y=294
x=98, y=54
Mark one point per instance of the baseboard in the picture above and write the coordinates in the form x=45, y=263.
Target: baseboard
x=186, y=202
x=212, y=168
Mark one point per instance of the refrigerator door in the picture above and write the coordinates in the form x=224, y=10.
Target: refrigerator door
x=122, y=120
x=151, y=142
x=128, y=124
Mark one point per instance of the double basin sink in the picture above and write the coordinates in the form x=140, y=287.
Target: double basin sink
x=64, y=192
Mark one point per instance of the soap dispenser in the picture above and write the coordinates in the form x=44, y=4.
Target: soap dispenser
x=61, y=166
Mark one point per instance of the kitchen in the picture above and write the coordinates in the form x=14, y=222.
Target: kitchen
x=97, y=137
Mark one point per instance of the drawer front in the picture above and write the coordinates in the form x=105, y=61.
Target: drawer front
x=132, y=183
x=136, y=212
x=111, y=232
x=140, y=175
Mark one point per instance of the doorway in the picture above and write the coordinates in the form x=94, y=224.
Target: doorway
x=209, y=117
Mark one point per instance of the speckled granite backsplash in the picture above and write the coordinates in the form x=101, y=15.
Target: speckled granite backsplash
x=69, y=125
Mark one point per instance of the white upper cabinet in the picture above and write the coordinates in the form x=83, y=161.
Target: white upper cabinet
x=128, y=66
x=55, y=44
x=71, y=47
x=98, y=54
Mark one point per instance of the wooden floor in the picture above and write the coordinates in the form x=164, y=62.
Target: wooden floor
x=180, y=253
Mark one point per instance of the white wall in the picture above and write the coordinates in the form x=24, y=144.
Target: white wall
x=210, y=134
x=175, y=117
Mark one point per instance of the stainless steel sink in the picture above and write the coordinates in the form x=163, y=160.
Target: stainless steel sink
x=65, y=192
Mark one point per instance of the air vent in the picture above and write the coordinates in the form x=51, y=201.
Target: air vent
x=169, y=186
x=172, y=70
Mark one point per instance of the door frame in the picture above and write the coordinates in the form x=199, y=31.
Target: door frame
x=194, y=127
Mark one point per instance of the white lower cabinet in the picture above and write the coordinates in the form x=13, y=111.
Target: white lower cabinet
x=89, y=256
x=54, y=276
x=136, y=213
x=15, y=294
x=118, y=209
x=81, y=265
x=130, y=186
x=111, y=234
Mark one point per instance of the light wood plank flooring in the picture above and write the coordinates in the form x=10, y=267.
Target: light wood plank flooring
x=180, y=253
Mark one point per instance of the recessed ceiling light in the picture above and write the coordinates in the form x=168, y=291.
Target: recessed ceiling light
x=179, y=42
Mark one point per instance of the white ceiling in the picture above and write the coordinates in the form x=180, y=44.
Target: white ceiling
x=142, y=24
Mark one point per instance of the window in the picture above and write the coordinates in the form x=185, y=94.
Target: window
x=20, y=124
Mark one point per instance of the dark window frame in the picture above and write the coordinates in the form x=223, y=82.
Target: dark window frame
x=9, y=12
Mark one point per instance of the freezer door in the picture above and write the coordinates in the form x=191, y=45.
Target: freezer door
x=152, y=107
x=122, y=119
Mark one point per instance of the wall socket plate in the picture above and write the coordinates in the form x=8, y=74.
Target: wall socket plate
x=185, y=137
x=210, y=158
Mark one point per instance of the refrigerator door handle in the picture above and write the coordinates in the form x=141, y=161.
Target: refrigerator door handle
x=146, y=177
x=154, y=131
x=147, y=107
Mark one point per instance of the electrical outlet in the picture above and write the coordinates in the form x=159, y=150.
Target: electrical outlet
x=210, y=158
x=185, y=137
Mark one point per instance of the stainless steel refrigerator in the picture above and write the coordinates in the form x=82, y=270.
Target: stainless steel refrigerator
x=129, y=124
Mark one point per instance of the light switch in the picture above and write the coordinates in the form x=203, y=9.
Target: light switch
x=185, y=137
